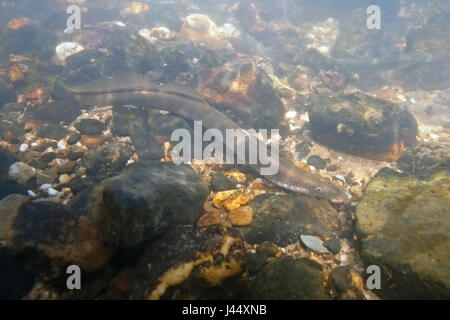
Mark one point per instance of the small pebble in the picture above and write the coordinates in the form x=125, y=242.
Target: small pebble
x=64, y=178
x=317, y=162
x=23, y=147
x=314, y=243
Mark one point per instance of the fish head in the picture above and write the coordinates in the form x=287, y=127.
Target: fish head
x=299, y=180
x=330, y=191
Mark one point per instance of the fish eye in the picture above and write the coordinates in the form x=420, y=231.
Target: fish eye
x=319, y=189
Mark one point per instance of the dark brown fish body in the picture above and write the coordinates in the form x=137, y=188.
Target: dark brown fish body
x=187, y=103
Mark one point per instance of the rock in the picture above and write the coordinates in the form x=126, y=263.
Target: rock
x=10, y=131
x=255, y=261
x=189, y=262
x=146, y=145
x=220, y=182
x=64, y=179
x=7, y=93
x=46, y=176
x=317, y=162
x=314, y=244
x=52, y=131
x=241, y=216
x=9, y=208
x=53, y=112
x=92, y=141
x=66, y=167
x=268, y=248
x=434, y=39
x=424, y=160
x=16, y=280
x=74, y=138
x=8, y=187
x=334, y=245
x=247, y=90
x=341, y=278
x=332, y=167
x=403, y=225
x=108, y=160
x=110, y=49
x=79, y=201
x=143, y=201
x=236, y=200
x=124, y=115
x=21, y=172
x=282, y=219
x=90, y=127
x=66, y=49
x=210, y=218
x=287, y=279
x=76, y=153
x=303, y=149
x=47, y=157
x=6, y=159
x=363, y=126
x=49, y=230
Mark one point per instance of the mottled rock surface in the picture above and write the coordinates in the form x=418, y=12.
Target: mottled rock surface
x=190, y=262
x=404, y=227
x=283, y=219
x=146, y=199
x=363, y=126
x=287, y=279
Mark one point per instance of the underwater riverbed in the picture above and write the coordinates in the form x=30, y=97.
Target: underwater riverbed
x=92, y=92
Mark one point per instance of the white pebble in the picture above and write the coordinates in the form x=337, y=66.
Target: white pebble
x=305, y=117
x=45, y=186
x=53, y=192
x=31, y=193
x=23, y=147
x=62, y=145
x=66, y=49
x=290, y=114
x=340, y=177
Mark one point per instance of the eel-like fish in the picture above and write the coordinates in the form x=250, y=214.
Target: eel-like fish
x=187, y=103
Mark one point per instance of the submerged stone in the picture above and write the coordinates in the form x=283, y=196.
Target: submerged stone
x=190, y=262
x=287, y=279
x=314, y=243
x=51, y=231
x=143, y=201
x=108, y=160
x=404, y=227
x=90, y=126
x=283, y=219
x=363, y=126
x=247, y=90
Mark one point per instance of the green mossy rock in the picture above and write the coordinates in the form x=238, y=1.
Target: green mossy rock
x=404, y=227
x=287, y=279
x=282, y=219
